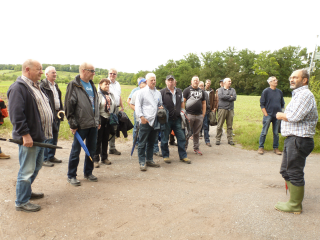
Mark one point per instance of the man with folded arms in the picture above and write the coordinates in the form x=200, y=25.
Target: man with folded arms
x=31, y=117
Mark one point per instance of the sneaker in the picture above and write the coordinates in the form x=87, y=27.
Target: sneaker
x=91, y=178
x=74, y=181
x=276, y=151
x=114, y=151
x=217, y=142
x=29, y=207
x=36, y=195
x=208, y=144
x=231, y=142
x=185, y=160
x=152, y=164
x=47, y=164
x=261, y=151
x=54, y=160
x=143, y=167
x=96, y=164
x=4, y=156
x=173, y=144
x=157, y=154
x=167, y=160
x=106, y=161
x=196, y=151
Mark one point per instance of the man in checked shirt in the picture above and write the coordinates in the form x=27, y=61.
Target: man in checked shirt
x=298, y=125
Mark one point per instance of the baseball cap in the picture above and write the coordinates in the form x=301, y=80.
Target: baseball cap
x=221, y=80
x=169, y=76
x=142, y=80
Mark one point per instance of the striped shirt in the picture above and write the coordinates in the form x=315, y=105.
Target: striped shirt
x=55, y=95
x=43, y=107
x=147, y=103
x=301, y=113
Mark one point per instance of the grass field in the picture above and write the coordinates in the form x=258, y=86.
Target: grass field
x=247, y=122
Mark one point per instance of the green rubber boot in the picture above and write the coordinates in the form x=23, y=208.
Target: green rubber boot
x=294, y=205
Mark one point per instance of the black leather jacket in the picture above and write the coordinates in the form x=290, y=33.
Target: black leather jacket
x=78, y=108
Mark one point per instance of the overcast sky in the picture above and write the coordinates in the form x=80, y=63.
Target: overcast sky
x=141, y=35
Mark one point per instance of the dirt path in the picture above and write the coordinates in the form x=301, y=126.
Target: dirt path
x=228, y=193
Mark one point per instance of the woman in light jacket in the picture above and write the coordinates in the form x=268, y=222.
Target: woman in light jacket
x=106, y=106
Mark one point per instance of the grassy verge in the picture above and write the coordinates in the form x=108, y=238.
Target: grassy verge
x=247, y=122
x=247, y=125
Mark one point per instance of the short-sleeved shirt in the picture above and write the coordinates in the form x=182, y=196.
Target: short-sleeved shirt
x=89, y=90
x=194, y=97
x=115, y=88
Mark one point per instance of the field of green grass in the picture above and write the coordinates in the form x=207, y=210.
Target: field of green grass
x=247, y=122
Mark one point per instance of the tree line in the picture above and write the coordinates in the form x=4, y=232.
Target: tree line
x=247, y=69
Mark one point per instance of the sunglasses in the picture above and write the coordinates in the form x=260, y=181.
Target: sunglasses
x=90, y=70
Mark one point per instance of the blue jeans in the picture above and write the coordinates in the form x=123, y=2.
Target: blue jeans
x=275, y=127
x=50, y=152
x=147, y=135
x=30, y=160
x=90, y=134
x=174, y=125
x=206, y=128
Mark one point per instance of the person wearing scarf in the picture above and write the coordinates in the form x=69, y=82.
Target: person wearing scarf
x=106, y=106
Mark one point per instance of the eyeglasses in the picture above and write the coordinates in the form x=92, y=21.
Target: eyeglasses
x=293, y=78
x=113, y=74
x=90, y=70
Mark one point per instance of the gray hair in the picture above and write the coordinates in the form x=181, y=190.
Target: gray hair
x=226, y=79
x=113, y=69
x=149, y=75
x=201, y=82
x=48, y=69
x=270, y=79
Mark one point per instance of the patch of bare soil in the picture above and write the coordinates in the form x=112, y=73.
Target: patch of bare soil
x=227, y=193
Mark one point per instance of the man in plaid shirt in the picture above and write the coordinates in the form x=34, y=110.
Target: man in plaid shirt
x=298, y=125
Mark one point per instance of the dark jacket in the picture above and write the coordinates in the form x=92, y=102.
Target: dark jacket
x=24, y=113
x=78, y=107
x=44, y=85
x=174, y=110
x=124, y=126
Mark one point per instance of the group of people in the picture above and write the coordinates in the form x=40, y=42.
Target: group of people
x=36, y=110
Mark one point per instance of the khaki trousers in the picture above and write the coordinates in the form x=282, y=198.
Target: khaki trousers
x=225, y=115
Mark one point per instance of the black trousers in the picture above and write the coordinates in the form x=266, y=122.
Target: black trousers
x=295, y=152
x=102, y=140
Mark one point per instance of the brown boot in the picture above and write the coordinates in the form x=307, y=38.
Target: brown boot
x=4, y=156
x=276, y=151
x=261, y=151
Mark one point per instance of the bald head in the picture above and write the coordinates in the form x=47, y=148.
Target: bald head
x=32, y=69
x=86, y=71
